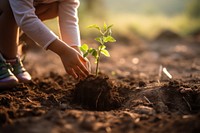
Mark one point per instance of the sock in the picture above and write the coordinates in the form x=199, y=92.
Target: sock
x=12, y=61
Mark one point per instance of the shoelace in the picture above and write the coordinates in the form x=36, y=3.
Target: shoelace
x=5, y=70
x=18, y=67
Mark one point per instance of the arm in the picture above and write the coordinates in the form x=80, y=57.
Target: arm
x=26, y=19
x=69, y=28
x=68, y=22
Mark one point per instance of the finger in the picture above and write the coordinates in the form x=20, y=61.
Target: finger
x=72, y=73
x=87, y=64
x=83, y=59
x=79, y=72
x=82, y=66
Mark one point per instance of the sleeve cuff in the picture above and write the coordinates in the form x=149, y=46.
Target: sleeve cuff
x=47, y=44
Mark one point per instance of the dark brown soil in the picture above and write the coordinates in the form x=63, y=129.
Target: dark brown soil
x=98, y=93
x=167, y=34
x=131, y=95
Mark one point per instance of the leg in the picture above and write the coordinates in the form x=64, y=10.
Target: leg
x=8, y=31
x=9, y=48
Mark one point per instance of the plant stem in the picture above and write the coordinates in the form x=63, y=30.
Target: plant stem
x=98, y=59
x=99, y=53
x=97, y=67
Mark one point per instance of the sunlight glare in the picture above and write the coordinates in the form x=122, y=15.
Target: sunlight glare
x=135, y=61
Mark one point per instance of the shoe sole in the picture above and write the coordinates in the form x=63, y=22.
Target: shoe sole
x=8, y=82
x=24, y=77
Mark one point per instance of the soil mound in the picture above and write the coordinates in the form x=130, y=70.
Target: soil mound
x=168, y=35
x=97, y=93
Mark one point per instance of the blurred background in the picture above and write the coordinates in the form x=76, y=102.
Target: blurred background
x=145, y=19
x=149, y=34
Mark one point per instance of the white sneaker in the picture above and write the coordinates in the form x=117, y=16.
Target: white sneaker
x=19, y=71
x=7, y=78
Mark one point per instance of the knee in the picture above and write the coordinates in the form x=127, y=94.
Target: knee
x=5, y=10
x=53, y=10
x=47, y=11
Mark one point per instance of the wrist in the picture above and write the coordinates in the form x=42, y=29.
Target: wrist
x=58, y=47
x=77, y=49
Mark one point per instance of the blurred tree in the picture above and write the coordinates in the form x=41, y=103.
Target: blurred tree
x=91, y=12
x=93, y=7
x=193, y=9
x=91, y=4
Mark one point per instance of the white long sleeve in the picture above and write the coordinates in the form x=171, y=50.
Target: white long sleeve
x=27, y=20
x=68, y=21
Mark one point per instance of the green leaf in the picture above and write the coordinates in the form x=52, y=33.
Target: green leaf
x=85, y=54
x=94, y=53
x=84, y=48
x=105, y=52
x=110, y=26
x=105, y=26
x=90, y=50
x=102, y=47
x=109, y=30
x=94, y=26
x=109, y=39
x=99, y=39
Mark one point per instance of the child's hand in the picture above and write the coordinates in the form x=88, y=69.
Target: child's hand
x=74, y=64
x=72, y=60
x=87, y=63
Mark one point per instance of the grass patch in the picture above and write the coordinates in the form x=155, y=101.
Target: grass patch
x=150, y=26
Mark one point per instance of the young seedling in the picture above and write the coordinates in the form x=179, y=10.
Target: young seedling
x=102, y=39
